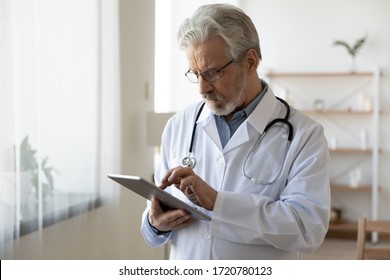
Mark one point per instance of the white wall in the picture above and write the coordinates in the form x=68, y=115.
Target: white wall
x=297, y=35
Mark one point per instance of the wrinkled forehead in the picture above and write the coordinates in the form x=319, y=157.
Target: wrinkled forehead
x=208, y=54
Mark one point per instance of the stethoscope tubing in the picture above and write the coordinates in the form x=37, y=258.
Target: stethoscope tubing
x=194, y=128
x=190, y=160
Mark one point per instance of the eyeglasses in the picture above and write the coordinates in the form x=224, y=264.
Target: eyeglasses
x=210, y=75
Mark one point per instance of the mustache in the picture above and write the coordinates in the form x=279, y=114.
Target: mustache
x=212, y=95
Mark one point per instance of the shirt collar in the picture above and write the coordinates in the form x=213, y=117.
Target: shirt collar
x=251, y=106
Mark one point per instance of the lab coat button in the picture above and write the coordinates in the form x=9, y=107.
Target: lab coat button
x=207, y=236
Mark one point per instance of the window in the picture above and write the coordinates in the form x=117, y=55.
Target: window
x=58, y=109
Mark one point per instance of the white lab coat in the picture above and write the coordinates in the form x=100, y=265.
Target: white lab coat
x=250, y=221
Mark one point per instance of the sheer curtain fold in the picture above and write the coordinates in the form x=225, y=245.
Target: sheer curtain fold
x=110, y=96
x=59, y=117
x=7, y=130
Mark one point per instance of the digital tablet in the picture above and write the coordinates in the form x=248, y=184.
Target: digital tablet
x=147, y=190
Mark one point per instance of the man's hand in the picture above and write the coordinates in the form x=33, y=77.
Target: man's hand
x=167, y=220
x=196, y=190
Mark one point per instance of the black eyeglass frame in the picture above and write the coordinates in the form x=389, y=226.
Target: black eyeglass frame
x=213, y=74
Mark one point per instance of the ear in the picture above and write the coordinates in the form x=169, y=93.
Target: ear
x=252, y=60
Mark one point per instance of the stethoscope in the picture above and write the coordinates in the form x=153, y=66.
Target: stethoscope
x=190, y=160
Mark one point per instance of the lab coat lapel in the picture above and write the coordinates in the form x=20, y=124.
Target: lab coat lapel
x=258, y=120
x=207, y=122
x=264, y=112
x=240, y=137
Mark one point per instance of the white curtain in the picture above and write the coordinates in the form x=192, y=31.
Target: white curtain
x=59, y=111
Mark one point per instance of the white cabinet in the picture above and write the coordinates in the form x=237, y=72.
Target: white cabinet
x=347, y=105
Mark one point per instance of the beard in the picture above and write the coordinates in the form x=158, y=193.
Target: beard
x=222, y=106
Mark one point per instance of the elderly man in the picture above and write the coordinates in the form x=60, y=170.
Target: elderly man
x=259, y=168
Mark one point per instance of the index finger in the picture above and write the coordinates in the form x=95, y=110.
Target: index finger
x=166, y=182
x=166, y=176
x=179, y=173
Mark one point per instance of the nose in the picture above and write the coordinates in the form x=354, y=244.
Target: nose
x=204, y=86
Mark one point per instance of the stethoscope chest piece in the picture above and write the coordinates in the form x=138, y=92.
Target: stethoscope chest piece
x=188, y=161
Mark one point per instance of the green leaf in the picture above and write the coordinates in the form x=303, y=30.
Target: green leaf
x=359, y=43
x=352, y=50
x=27, y=156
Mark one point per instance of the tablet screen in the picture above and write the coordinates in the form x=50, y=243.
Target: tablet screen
x=148, y=190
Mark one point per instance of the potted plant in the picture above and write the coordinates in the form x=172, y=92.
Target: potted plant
x=29, y=171
x=352, y=49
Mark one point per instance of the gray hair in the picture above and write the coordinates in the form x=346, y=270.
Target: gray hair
x=224, y=20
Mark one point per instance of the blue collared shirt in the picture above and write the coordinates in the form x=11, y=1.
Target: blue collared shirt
x=226, y=129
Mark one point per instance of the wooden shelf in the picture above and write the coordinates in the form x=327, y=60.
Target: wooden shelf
x=344, y=188
x=342, y=229
x=343, y=226
x=351, y=150
x=337, y=112
x=343, y=109
x=319, y=74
